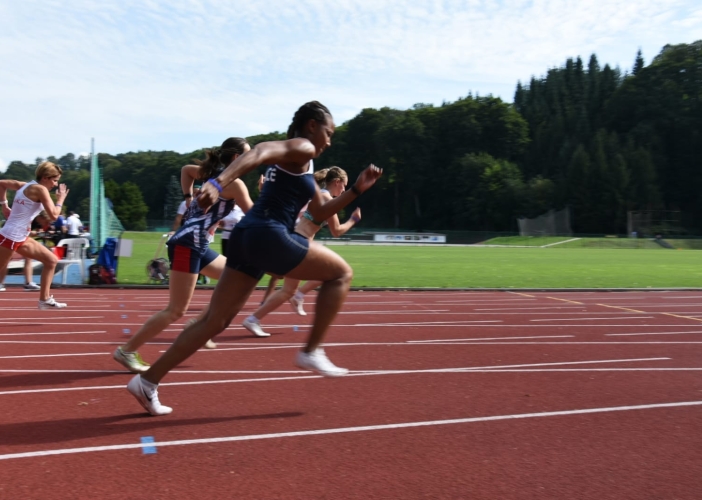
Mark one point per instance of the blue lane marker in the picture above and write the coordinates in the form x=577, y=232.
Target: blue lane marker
x=126, y=331
x=146, y=450
x=121, y=305
x=124, y=316
x=295, y=328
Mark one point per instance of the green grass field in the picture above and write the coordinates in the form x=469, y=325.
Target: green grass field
x=484, y=267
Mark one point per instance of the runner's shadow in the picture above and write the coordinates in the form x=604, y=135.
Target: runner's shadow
x=78, y=429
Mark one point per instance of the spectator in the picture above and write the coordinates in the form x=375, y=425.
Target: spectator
x=60, y=228
x=178, y=221
x=73, y=225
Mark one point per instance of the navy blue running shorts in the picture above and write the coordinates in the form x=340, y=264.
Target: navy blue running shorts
x=265, y=249
x=188, y=260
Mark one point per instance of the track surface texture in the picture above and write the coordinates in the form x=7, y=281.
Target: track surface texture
x=465, y=395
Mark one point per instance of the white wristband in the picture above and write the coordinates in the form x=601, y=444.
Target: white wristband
x=3, y=202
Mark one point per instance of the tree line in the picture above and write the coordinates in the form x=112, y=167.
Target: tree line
x=592, y=138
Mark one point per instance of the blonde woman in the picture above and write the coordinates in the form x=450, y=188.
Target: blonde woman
x=30, y=199
x=332, y=182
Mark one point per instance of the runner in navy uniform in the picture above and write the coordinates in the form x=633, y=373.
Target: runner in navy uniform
x=189, y=248
x=265, y=241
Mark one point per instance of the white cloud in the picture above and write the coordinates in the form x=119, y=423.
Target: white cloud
x=3, y=166
x=183, y=74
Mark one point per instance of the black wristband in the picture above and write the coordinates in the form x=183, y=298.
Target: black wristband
x=356, y=191
x=186, y=196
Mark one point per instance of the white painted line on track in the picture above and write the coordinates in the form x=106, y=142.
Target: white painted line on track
x=346, y=430
x=34, y=318
x=174, y=372
x=72, y=332
x=529, y=308
x=651, y=333
x=54, y=355
x=359, y=373
x=530, y=370
x=431, y=323
x=565, y=343
x=492, y=338
x=502, y=367
x=55, y=342
x=593, y=319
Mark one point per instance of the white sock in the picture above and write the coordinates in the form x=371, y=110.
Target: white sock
x=299, y=295
x=147, y=384
x=252, y=319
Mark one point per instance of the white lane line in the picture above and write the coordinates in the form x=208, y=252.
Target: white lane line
x=352, y=374
x=502, y=367
x=529, y=370
x=72, y=332
x=481, y=301
x=399, y=311
x=54, y=355
x=529, y=308
x=651, y=333
x=345, y=430
x=593, y=319
x=432, y=323
x=490, y=338
x=57, y=318
x=174, y=372
x=565, y=343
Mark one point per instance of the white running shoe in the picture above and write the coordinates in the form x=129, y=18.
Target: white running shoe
x=51, y=304
x=210, y=345
x=297, y=305
x=318, y=361
x=2, y=287
x=254, y=326
x=32, y=287
x=148, y=398
x=130, y=360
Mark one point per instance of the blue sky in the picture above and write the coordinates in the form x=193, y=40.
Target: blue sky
x=184, y=74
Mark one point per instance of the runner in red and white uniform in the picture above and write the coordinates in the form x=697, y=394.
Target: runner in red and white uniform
x=30, y=199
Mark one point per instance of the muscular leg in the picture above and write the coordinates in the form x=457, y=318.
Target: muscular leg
x=5, y=258
x=32, y=249
x=180, y=287
x=230, y=295
x=322, y=264
x=309, y=286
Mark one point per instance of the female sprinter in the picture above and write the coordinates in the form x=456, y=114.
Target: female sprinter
x=30, y=199
x=332, y=182
x=189, y=248
x=265, y=241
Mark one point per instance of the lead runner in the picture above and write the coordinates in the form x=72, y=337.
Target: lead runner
x=265, y=241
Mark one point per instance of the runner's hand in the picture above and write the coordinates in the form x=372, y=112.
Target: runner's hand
x=62, y=191
x=208, y=196
x=368, y=177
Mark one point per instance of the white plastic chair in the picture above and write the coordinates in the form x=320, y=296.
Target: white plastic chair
x=76, y=253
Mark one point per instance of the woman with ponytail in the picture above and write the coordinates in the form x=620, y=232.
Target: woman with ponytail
x=265, y=241
x=332, y=182
x=189, y=248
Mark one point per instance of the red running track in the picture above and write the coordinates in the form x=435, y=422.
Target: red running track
x=480, y=395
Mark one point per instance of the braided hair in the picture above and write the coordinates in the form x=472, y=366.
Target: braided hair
x=216, y=159
x=312, y=110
